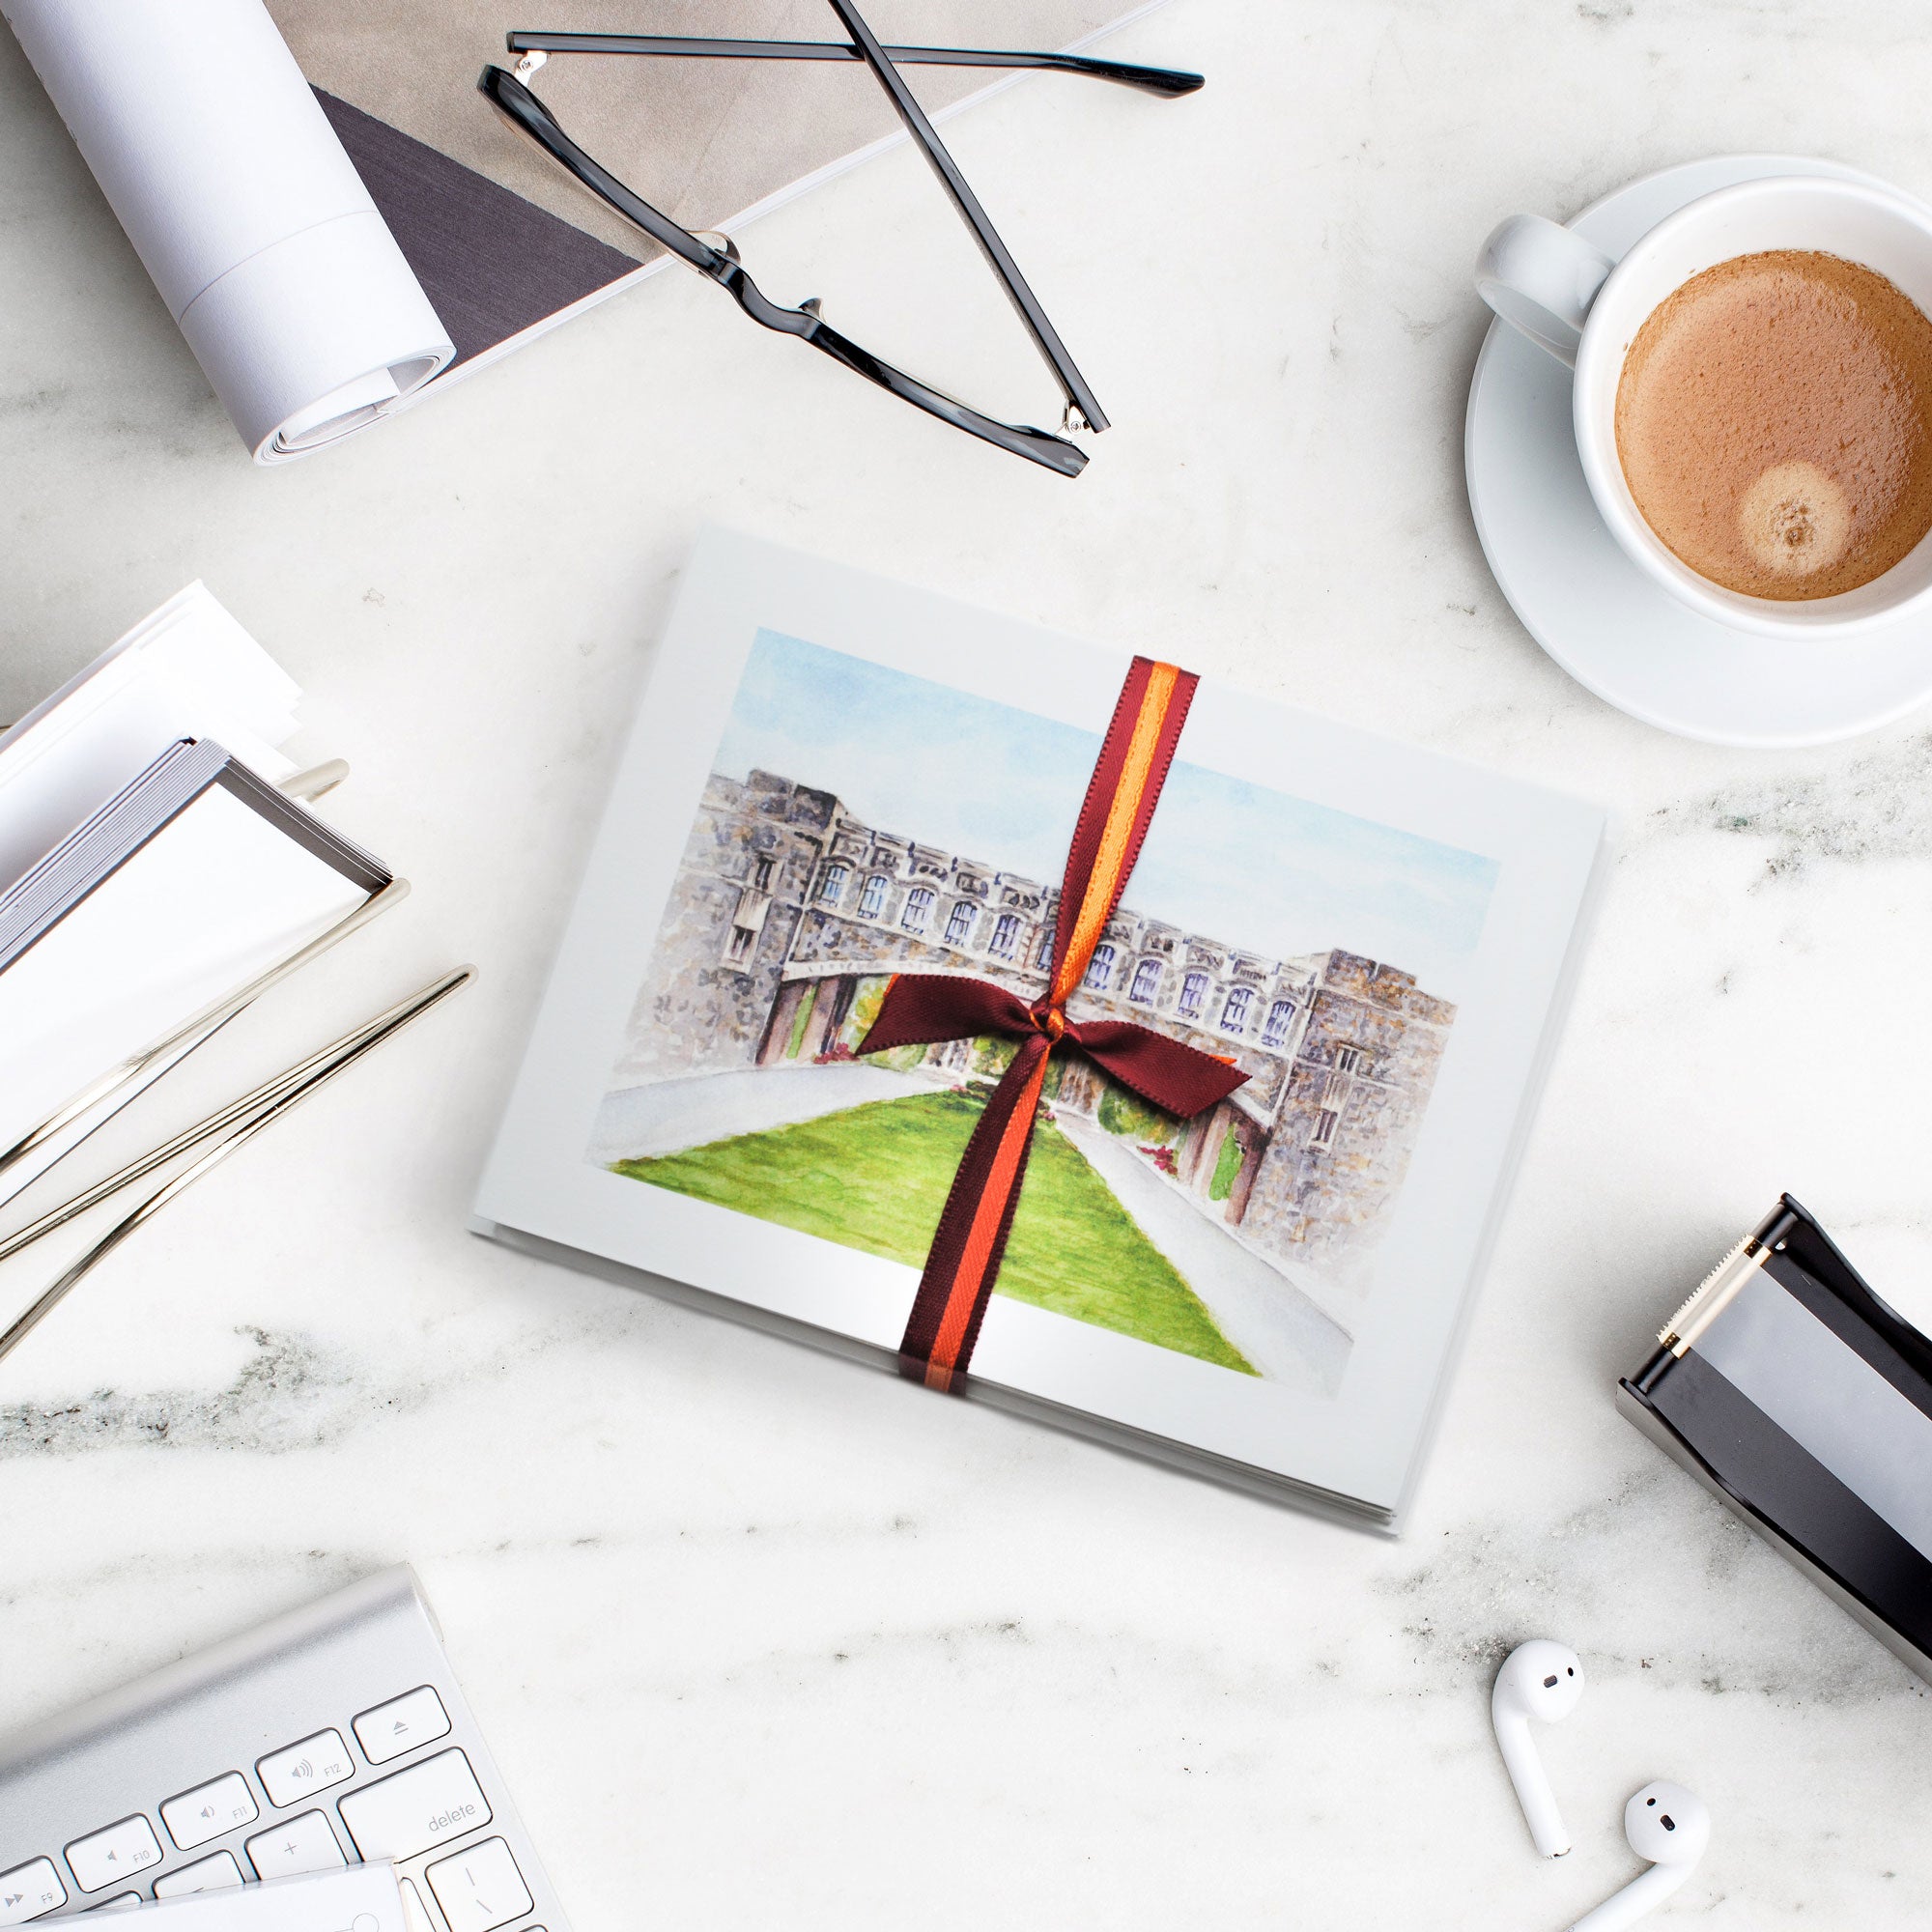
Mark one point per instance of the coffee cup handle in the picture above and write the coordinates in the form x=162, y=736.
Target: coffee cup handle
x=1541, y=279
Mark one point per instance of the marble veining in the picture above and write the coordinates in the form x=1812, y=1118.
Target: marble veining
x=762, y=1639
x=1872, y=807
x=293, y=1392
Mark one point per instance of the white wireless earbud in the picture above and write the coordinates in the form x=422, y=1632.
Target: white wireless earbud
x=1540, y=1680
x=1669, y=1827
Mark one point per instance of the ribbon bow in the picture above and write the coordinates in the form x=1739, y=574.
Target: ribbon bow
x=924, y=1008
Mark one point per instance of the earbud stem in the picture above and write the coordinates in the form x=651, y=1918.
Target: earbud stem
x=1626, y=1907
x=1532, y=1787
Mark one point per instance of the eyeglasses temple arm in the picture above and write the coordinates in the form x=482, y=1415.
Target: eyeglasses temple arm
x=1024, y=302
x=1163, y=80
x=509, y=94
x=1051, y=451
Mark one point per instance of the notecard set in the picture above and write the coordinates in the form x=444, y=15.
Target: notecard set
x=190, y=883
x=1048, y=1025
x=157, y=868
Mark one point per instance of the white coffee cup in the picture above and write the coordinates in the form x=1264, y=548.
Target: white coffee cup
x=1584, y=310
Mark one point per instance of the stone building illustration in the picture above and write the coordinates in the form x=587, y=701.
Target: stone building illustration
x=789, y=914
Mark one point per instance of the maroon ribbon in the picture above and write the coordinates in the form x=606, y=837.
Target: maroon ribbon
x=925, y=1009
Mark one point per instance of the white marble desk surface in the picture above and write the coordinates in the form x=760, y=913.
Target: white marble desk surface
x=761, y=1639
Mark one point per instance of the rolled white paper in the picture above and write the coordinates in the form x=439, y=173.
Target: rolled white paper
x=237, y=195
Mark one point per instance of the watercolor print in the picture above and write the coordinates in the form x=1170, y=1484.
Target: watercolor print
x=860, y=821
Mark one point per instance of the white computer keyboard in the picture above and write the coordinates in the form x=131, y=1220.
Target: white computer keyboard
x=334, y=1734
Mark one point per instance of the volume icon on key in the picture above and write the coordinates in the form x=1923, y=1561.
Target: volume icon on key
x=195, y=1817
x=114, y=1853
x=309, y=1764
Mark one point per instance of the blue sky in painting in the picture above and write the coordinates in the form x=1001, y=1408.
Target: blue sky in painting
x=1234, y=862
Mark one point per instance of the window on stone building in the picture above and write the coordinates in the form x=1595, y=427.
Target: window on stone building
x=1234, y=1014
x=1324, y=1128
x=832, y=887
x=1193, y=990
x=740, y=947
x=918, y=914
x=1099, y=969
x=959, y=923
x=761, y=873
x=1280, y=1016
x=1147, y=983
x=1043, y=956
x=872, y=900
x=1348, y=1059
x=1005, y=935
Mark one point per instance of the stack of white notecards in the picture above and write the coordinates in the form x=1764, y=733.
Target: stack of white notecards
x=363, y=1898
x=153, y=870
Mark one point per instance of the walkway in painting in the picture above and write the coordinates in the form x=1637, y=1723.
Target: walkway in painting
x=1257, y=1308
x=1271, y=1321
x=673, y=1115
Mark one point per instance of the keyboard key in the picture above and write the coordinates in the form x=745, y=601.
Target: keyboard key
x=208, y=1811
x=30, y=1890
x=402, y=1725
x=412, y=1811
x=289, y=1774
x=111, y=1856
x=214, y=1874
x=480, y=1889
x=304, y=1844
x=126, y=1901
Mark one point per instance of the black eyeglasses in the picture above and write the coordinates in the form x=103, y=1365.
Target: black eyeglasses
x=507, y=91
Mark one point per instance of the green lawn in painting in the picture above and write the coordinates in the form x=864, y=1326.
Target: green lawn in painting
x=875, y=1177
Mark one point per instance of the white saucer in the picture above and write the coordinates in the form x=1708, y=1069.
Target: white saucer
x=1607, y=623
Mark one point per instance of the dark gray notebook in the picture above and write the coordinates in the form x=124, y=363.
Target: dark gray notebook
x=492, y=264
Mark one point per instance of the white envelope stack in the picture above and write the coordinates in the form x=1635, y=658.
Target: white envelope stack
x=153, y=870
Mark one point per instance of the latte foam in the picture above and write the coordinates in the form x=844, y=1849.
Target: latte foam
x=1774, y=420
